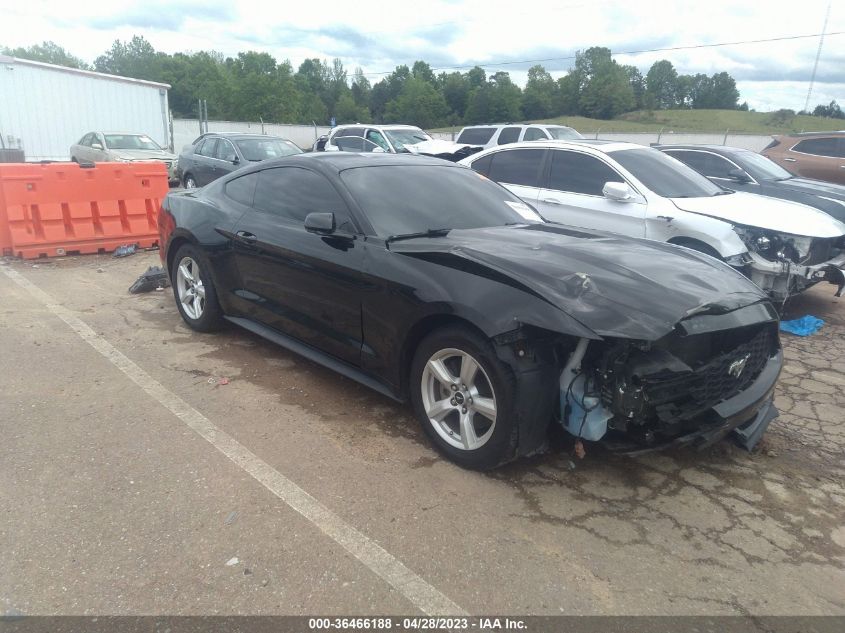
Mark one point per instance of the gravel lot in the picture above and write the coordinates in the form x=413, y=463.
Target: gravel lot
x=113, y=504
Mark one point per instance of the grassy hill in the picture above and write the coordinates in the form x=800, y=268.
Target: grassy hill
x=737, y=121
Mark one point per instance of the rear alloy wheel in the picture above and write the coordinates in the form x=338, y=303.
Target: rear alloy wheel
x=194, y=291
x=190, y=183
x=463, y=397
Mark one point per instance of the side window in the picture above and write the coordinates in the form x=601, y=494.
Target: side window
x=717, y=166
x=292, y=193
x=476, y=135
x=508, y=135
x=482, y=165
x=242, y=189
x=350, y=131
x=208, y=147
x=818, y=146
x=225, y=151
x=517, y=167
x=86, y=141
x=580, y=173
x=696, y=160
x=534, y=134
x=376, y=137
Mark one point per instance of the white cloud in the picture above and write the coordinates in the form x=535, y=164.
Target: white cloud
x=457, y=32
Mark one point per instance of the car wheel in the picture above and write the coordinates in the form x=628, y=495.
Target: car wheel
x=463, y=396
x=189, y=182
x=194, y=291
x=696, y=245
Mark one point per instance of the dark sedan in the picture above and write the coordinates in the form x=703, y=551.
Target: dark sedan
x=214, y=155
x=428, y=282
x=744, y=170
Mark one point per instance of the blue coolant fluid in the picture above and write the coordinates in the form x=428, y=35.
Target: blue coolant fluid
x=591, y=426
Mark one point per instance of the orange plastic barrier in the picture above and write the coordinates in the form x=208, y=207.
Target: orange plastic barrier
x=64, y=209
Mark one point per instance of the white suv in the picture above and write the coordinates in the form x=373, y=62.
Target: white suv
x=784, y=247
x=492, y=135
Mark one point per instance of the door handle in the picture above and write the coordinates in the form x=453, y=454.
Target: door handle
x=790, y=160
x=246, y=236
x=551, y=201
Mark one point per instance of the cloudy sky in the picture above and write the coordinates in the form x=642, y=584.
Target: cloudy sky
x=377, y=36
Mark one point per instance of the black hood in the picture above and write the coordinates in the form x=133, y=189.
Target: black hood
x=816, y=187
x=613, y=285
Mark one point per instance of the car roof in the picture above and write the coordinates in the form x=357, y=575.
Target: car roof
x=811, y=134
x=597, y=144
x=378, y=126
x=471, y=127
x=241, y=135
x=337, y=162
x=719, y=149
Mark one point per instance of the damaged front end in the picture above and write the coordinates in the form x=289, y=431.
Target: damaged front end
x=713, y=374
x=783, y=264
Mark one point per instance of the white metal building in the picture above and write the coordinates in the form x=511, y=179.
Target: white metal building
x=44, y=109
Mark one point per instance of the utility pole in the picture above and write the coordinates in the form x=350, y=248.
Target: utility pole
x=816, y=63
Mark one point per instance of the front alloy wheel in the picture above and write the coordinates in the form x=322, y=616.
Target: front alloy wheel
x=458, y=399
x=190, y=288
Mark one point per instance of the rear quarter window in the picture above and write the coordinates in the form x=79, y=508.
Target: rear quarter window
x=476, y=135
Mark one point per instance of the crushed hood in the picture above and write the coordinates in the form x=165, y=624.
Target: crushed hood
x=613, y=285
x=747, y=209
x=448, y=150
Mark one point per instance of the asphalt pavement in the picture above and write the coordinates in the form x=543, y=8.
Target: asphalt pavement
x=147, y=468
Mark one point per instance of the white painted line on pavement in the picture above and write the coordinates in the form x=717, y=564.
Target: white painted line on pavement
x=423, y=595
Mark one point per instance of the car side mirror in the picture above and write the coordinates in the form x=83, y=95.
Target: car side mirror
x=236, y=161
x=740, y=175
x=96, y=146
x=320, y=223
x=618, y=191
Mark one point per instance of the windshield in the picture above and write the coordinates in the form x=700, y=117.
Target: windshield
x=562, y=133
x=258, y=149
x=406, y=136
x=664, y=175
x=762, y=168
x=400, y=199
x=131, y=141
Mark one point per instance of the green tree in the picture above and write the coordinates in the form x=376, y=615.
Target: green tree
x=725, y=95
x=662, y=86
x=637, y=81
x=47, y=52
x=568, y=94
x=419, y=103
x=539, y=99
x=135, y=58
x=608, y=93
x=455, y=88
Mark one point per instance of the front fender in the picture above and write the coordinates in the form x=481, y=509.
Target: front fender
x=717, y=234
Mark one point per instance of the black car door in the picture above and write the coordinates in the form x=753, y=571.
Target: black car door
x=204, y=161
x=300, y=283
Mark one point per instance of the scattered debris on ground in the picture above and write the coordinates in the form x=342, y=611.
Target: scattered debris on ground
x=125, y=250
x=805, y=326
x=155, y=278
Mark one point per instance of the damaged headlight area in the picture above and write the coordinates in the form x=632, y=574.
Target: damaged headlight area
x=784, y=247
x=692, y=386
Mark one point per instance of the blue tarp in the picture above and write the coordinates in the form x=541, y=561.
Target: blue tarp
x=804, y=326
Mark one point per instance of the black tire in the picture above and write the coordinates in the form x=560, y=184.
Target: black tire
x=189, y=178
x=211, y=316
x=500, y=446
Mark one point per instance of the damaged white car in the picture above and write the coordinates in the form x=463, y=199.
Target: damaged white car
x=783, y=247
x=393, y=139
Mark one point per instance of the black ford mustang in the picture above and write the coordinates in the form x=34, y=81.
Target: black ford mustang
x=428, y=282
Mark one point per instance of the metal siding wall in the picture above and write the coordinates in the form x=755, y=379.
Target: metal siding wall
x=49, y=110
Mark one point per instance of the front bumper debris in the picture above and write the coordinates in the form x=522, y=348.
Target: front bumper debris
x=747, y=414
x=780, y=279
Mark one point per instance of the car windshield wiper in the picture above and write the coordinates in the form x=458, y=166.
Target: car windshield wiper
x=722, y=193
x=426, y=233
